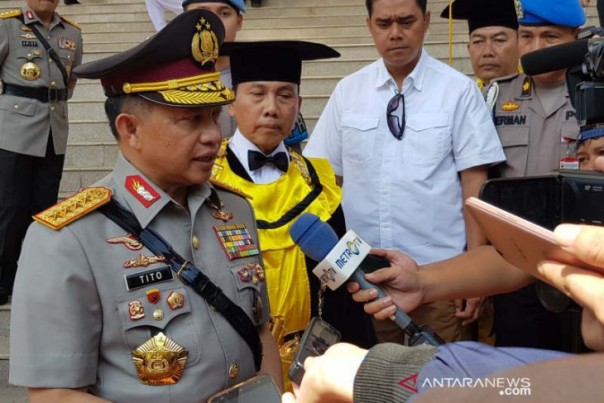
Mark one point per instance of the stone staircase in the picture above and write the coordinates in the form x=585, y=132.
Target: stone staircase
x=109, y=26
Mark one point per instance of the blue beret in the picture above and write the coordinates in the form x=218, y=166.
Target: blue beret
x=238, y=5
x=564, y=13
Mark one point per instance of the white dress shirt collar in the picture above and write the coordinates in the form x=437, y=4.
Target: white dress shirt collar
x=240, y=145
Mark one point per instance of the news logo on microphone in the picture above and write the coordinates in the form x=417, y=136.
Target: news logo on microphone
x=345, y=257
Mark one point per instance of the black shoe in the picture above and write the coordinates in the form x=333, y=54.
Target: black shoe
x=70, y=2
x=255, y=3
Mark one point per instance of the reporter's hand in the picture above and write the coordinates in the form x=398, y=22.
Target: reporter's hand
x=329, y=377
x=400, y=282
x=468, y=310
x=585, y=285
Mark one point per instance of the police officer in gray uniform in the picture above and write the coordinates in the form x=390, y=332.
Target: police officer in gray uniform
x=36, y=84
x=535, y=120
x=96, y=309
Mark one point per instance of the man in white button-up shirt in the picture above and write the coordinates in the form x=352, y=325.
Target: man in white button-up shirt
x=410, y=139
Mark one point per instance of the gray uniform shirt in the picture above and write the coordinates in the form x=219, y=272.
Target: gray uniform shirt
x=25, y=123
x=531, y=139
x=71, y=325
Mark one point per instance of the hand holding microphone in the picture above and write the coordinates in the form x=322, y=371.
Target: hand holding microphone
x=346, y=259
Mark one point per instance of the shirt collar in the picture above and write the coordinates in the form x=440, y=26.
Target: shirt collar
x=143, y=197
x=240, y=145
x=415, y=78
x=30, y=16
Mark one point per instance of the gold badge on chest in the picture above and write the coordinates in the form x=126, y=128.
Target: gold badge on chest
x=160, y=361
x=31, y=71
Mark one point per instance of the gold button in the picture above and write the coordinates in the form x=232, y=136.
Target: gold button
x=158, y=314
x=52, y=108
x=49, y=60
x=195, y=242
x=29, y=55
x=53, y=84
x=233, y=370
x=16, y=106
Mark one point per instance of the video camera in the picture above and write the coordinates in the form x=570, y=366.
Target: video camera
x=584, y=59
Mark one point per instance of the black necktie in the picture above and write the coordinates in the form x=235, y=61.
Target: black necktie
x=256, y=160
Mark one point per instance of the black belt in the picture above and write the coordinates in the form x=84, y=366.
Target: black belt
x=42, y=94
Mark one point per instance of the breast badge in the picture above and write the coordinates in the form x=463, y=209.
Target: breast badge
x=153, y=296
x=510, y=106
x=175, y=300
x=143, y=261
x=236, y=241
x=128, y=240
x=159, y=361
x=136, y=310
x=31, y=71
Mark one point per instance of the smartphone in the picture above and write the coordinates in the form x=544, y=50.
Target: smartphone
x=259, y=389
x=520, y=242
x=316, y=339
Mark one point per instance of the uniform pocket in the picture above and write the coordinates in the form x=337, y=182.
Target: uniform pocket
x=141, y=318
x=358, y=136
x=249, y=280
x=427, y=138
x=18, y=105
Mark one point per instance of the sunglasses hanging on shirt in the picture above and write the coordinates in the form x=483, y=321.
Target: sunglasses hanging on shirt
x=395, y=115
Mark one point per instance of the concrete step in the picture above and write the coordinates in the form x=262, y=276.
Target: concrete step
x=8, y=393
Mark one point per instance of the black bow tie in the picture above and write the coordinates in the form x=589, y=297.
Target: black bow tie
x=257, y=160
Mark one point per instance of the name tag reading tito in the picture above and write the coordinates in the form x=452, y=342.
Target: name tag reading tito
x=145, y=278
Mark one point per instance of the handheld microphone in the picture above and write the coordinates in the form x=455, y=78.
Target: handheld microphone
x=555, y=58
x=349, y=258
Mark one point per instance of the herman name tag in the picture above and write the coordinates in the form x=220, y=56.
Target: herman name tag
x=145, y=278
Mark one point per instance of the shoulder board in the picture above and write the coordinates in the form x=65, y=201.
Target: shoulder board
x=230, y=188
x=10, y=14
x=70, y=22
x=505, y=78
x=74, y=207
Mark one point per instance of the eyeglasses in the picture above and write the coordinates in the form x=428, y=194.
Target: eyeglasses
x=395, y=116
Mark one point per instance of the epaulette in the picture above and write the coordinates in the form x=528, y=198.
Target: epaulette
x=504, y=79
x=74, y=207
x=10, y=14
x=70, y=22
x=230, y=188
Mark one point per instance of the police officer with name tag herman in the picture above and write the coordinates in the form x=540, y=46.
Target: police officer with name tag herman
x=148, y=286
x=38, y=50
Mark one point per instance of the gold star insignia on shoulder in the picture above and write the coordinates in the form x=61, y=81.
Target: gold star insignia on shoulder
x=10, y=14
x=74, y=207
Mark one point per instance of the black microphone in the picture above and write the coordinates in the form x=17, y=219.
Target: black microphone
x=347, y=258
x=555, y=58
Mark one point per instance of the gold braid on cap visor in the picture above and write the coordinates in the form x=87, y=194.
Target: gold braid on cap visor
x=202, y=89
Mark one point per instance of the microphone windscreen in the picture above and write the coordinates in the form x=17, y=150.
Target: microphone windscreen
x=315, y=237
x=554, y=58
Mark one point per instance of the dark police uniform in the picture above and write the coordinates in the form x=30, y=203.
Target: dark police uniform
x=532, y=141
x=94, y=306
x=33, y=124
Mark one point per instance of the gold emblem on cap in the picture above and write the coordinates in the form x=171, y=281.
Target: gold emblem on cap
x=31, y=71
x=519, y=12
x=159, y=361
x=204, y=46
